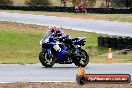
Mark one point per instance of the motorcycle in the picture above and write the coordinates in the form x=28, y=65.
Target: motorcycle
x=59, y=50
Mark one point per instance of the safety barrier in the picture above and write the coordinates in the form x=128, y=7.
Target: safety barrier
x=115, y=42
x=69, y=9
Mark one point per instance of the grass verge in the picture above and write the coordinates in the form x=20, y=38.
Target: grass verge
x=19, y=44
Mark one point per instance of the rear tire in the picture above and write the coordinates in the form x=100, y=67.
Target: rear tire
x=82, y=61
x=46, y=60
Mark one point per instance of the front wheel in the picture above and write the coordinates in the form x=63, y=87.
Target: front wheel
x=83, y=58
x=46, y=60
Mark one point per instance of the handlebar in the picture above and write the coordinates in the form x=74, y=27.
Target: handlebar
x=60, y=38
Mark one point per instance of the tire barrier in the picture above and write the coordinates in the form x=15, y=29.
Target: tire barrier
x=115, y=42
x=68, y=9
x=39, y=8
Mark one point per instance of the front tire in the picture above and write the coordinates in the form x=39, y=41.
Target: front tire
x=81, y=61
x=46, y=60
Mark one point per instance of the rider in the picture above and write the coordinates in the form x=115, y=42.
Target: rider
x=53, y=32
x=56, y=32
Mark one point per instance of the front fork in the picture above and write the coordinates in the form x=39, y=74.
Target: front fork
x=48, y=51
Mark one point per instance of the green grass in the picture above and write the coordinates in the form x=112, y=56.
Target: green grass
x=18, y=46
x=118, y=17
x=111, y=17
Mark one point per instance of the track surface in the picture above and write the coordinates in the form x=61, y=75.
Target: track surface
x=60, y=73
x=98, y=26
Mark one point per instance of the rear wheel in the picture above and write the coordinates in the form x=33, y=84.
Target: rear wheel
x=46, y=60
x=83, y=58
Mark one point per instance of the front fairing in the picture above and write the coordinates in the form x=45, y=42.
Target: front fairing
x=46, y=38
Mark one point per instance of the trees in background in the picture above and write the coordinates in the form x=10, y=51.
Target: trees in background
x=76, y=2
x=87, y=3
x=105, y=3
x=6, y=2
x=64, y=2
x=121, y=3
x=38, y=2
x=116, y=3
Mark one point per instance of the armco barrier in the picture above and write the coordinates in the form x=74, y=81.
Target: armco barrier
x=115, y=42
x=69, y=9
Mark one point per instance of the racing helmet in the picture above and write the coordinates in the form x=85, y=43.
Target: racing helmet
x=58, y=33
x=53, y=29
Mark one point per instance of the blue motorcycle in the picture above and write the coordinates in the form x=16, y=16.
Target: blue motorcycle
x=63, y=51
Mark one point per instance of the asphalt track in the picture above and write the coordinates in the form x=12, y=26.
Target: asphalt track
x=98, y=26
x=59, y=73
